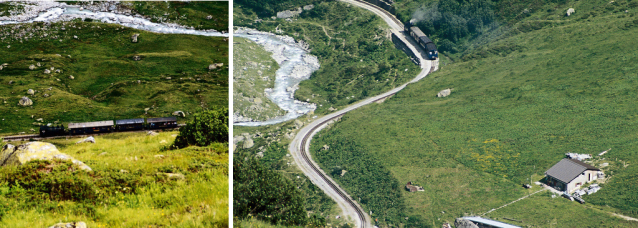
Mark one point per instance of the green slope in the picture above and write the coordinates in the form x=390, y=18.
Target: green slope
x=108, y=83
x=556, y=84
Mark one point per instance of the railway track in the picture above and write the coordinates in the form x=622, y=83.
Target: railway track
x=306, y=156
x=38, y=137
x=300, y=145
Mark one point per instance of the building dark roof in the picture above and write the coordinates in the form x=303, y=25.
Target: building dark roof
x=161, y=119
x=490, y=223
x=130, y=121
x=568, y=169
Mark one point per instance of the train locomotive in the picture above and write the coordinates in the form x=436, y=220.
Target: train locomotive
x=108, y=126
x=422, y=40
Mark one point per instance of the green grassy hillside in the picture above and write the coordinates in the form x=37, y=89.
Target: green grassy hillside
x=107, y=82
x=124, y=182
x=555, y=84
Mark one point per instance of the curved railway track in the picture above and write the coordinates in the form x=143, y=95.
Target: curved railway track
x=300, y=145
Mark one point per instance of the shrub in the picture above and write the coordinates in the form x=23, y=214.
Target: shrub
x=266, y=194
x=206, y=127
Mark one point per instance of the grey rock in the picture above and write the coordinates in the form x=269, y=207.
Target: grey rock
x=570, y=11
x=70, y=225
x=308, y=7
x=71, y=77
x=47, y=71
x=25, y=101
x=137, y=58
x=31, y=67
x=30, y=92
x=179, y=113
x=444, y=93
x=134, y=37
x=24, y=153
x=209, y=17
x=248, y=143
x=89, y=139
x=289, y=13
x=464, y=223
x=172, y=176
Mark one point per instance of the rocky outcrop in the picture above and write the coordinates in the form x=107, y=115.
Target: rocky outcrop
x=19, y=155
x=464, y=223
x=289, y=13
x=134, y=37
x=444, y=93
x=25, y=101
x=70, y=225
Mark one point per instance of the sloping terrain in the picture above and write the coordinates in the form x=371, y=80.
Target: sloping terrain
x=104, y=75
x=554, y=84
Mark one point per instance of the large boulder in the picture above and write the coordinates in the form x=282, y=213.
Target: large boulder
x=25, y=101
x=464, y=223
x=215, y=66
x=19, y=155
x=570, y=11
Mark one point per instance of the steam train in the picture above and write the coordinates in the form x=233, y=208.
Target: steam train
x=109, y=126
x=422, y=40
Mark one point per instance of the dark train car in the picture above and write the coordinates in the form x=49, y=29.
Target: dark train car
x=162, y=122
x=91, y=127
x=423, y=41
x=129, y=124
x=48, y=131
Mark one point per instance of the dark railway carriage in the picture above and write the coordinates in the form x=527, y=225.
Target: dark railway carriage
x=423, y=41
x=162, y=122
x=48, y=131
x=91, y=127
x=129, y=124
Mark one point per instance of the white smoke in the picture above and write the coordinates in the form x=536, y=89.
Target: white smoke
x=426, y=13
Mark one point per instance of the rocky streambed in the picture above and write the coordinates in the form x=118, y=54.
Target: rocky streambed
x=295, y=65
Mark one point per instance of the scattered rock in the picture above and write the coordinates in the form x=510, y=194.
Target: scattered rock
x=298, y=124
x=209, y=17
x=570, y=11
x=137, y=58
x=332, y=109
x=38, y=64
x=172, y=176
x=215, y=66
x=46, y=95
x=168, y=78
x=124, y=171
x=103, y=153
x=464, y=223
x=134, y=37
x=30, y=92
x=47, y=71
x=152, y=133
x=163, y=142
x=308, y=7
x=70, y=225
x=325, y=147
x=259, y=155
x=248, y=143
x=71, y=77
x=58, y=71
x=179, y=113
x=31, y=67
x=11, y=155
x=40, y=119
x=444, y=93
x=75, y=37
x=88, y=139
x=25, y=101
x=343, y=172
x=159, y=156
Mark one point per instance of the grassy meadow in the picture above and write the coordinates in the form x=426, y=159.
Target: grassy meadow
x=555, y=84
x=124, y=182
x=107, y=82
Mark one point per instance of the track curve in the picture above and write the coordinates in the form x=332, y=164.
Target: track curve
x=300, y=146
